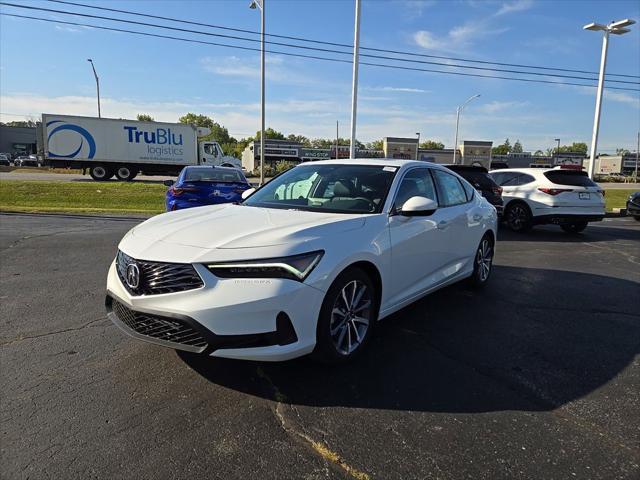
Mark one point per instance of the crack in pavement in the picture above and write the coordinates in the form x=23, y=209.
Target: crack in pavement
x=290, y=427
x=55, y=332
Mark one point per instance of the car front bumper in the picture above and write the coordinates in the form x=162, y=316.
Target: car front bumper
x=250, y=319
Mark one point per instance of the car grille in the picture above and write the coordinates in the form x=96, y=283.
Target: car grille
x=160, y=328
x=156, y=277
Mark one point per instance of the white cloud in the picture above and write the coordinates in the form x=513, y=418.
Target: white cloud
x=396, y=89
x=497, y=106
x=622, y=97
x=277, y=70
x=458, y=38
x=516, y=6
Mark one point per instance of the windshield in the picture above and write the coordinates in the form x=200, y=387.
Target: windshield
x=336, y=188
x=216, y=175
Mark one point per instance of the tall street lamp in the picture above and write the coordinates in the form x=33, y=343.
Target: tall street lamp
x=354, y=85
x=617, y=28
x=557, y=149
x=97, y=84
x=458, y=111
x=253, y=5
x=418, y=145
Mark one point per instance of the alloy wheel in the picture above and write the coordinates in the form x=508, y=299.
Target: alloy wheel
x=484, y=259
x=517, y=217
x=350, y=317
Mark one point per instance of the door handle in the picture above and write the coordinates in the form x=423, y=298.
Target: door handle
x=442, y=224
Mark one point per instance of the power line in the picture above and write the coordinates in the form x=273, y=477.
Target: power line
x=334, y=44
x=314, y=57
x=323, y=50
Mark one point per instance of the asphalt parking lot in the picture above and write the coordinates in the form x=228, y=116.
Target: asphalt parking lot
x=538, y=376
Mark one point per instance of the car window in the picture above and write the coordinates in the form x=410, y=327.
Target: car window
x=570, y=177
x=450, y=191
x=478, y=179
x=416, y=183
x=468, y=190
x=336, y=187
x=511, y=179
x=211, y=174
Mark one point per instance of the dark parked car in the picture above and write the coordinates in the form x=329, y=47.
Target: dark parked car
x=199, y=185
x=4, y=160
x=480, y=179
x=633, y=205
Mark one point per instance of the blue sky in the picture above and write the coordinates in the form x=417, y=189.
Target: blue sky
x=44, y=69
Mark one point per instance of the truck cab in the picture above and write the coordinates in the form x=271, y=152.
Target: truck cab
x=211, y=153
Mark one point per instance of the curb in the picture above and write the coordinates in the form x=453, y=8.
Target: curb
x=74, y=215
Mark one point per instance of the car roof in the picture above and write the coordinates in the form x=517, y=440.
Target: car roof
x=380, y=162
x=209, y=167
x=465, y=168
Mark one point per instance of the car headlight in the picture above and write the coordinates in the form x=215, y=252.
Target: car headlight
x=296, y=267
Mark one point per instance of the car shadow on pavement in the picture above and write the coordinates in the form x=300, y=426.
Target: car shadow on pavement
x=533, y=340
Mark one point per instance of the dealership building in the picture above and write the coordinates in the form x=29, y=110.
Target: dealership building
x=288, y=151
x=18, y=140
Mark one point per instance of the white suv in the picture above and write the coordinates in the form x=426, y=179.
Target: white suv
x=560, y=196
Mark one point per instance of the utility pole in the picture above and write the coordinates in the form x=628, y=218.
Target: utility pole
x=337, y=138
x=354, y=86
x=253, y=5
x=637, y=154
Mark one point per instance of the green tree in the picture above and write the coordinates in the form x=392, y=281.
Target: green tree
x=575, y=147
x=432, y=145
x=270, y=133
x=502, y=149
x=21, y=123
x=143, y=117
x=197, y=120
x=299, y=139
x=621, y=151
x=375, y=145
x=517, y=147
x=539, y=153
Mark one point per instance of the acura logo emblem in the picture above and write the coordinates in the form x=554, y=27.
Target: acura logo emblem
x=133, y=276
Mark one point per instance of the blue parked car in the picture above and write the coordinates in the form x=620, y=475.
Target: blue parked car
x=202, y=185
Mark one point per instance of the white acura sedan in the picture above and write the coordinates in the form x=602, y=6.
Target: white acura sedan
x=306, y=264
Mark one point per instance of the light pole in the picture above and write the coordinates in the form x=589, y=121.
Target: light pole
x=354, y=86
x=558, y=149
x=253, y=5
x=617, y=28
x=418, y=145
x=97, y=84
x=458, y=111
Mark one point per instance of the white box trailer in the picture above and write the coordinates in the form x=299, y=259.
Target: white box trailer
x=124, y=148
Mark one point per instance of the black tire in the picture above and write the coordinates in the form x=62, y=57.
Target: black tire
x=125, y=173
x=576, y=227
x=482, y=263
x=100, y=173
x=335, y=331
x=518, y=217
x=637, y=218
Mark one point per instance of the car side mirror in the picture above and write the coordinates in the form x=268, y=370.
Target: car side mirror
x=418, y=207
x=247, y=192
x=168, y=183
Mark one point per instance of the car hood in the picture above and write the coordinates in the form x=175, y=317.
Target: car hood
x=231, y=226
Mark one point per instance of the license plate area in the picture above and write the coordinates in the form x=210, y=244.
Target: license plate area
x=584, y=195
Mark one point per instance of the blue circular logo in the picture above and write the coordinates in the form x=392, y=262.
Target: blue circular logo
x=84, y=134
